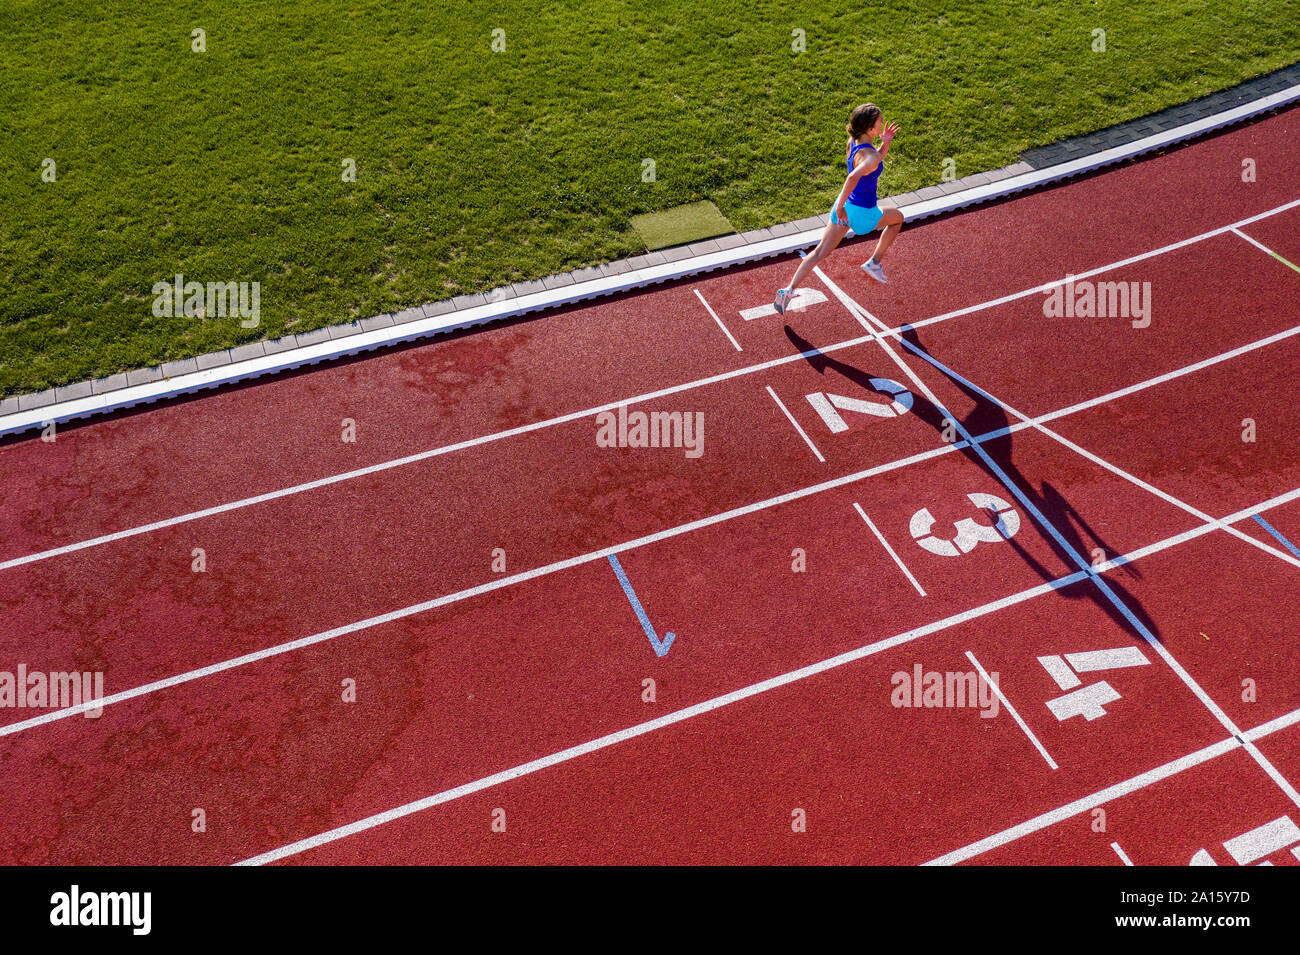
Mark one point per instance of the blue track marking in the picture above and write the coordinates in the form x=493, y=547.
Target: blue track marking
x=1274, y=531
x=660, y=647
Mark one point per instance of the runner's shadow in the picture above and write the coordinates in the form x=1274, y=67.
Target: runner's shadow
x=989, y=423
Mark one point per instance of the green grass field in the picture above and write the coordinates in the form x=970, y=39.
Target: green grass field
x=478, y=168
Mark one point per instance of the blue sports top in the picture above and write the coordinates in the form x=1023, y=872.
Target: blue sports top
x=864, y=193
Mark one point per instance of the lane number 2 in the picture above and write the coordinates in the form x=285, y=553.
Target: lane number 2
x=828, y=406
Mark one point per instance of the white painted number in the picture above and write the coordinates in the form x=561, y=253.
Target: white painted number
x=1090, y=701
x=829, y=406
x=969, y=532
x=1259, y=842
x=800, y=300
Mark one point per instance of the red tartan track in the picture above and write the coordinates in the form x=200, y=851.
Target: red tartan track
x=753, y=554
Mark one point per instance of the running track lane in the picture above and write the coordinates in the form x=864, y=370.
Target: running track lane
x=878, y=784
x=271, y=753
x=709, y=548
x=709, y=551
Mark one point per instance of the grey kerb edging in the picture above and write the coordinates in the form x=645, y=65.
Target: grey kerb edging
x=243, y=362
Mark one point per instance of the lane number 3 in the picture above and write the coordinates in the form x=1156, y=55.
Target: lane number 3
x=969, y=532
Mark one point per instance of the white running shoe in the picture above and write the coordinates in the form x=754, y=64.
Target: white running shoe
x=872, y=268
x=782, y=299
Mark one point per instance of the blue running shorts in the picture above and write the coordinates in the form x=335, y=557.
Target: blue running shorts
x=861, y=219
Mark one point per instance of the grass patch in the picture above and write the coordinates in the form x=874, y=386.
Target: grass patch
x=681, y=224
x=478, y=168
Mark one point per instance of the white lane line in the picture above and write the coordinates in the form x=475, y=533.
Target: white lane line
x=1120, y=852
x=1272, y=726
x=1169, y=375
x=1122, y=263
x=803, y=434
x=716, y=319
x=523, y=429
x=663, y=392
x=811, y=353
x=1012, y=710
x=1041, y=520
x=650, y=726
x=1109, y=794
x=1035, y=824
x=1200, y=531
x=521, y=577
x=1152, y=489
x=1263, y=248
x=422, y=456
x=885, y=544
